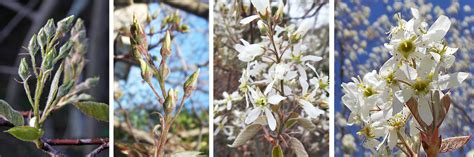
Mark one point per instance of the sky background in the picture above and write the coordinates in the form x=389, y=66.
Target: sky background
x=194, y=47
x=377, y=9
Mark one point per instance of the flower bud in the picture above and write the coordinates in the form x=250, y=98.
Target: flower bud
x=65, y=25
x=147, y=72
x=33, y=46
x=190, y=84
x=279, y=12
x=164, y=71
x=295, y=38
x=183, y=28
x=166, y=47
x=148, y=18
x=48, y=61
x=23, y=69
x=64, y=50
x=170, y=101
x=65, y=88
x=262, y=27
x=42, y=39
x=49, y=28
x=78, y=27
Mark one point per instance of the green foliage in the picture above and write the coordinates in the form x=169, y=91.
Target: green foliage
x=9, y=114
x=99, y=111
x=25, y=133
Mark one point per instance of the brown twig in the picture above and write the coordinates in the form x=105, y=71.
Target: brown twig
x=98, y=150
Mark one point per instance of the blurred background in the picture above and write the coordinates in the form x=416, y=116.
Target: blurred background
x=228, y=69
x=134, y=99
x=19, y=20
x=361, y=28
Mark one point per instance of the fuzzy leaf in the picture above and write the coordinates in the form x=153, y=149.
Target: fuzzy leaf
x=25, y=133
x=186, y=154
x=453, y=143
x=305, y=123
x=246, y=134
x=297, y=147
x=10, y=115
x=276, y=151
x=97, y=110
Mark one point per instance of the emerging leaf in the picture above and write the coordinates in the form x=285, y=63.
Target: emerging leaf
x=97, y=110
x=277, y=152
x=297, y=147
x=25, y=133
x=12, y=116
x=453, y=143
x=246, y=135
x=305, y=123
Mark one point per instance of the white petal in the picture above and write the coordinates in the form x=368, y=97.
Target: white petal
x=392, y=139
x=275, y=99
x=438, y=30
x=270, y=119
x=311, y=58
x=269, y=87
x=304, y=27
x=409, y=71
x=451, y=80
x=436, y=56
x=309, y=108
x=415, y=13
x=260, y=5
x=253, y=115
x=404, y=95
x=425, y=111
x=304, y=85
x=450, y=51
x=249, y=19
x=229, y=105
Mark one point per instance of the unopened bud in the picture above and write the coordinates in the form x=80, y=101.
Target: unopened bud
x=42, y=39
x=166, y=47
x=170, y=102
x=48, y=61
x=78, y=27
x=190, y=84
x=164, y=71
x=33, y=46
x=279, y=12
x=148, y=18
x=184, y=28
x=295, y=38
x=65, y=88
x=147, y=72
x=64, y=25
x=23, y=69
x=64, y=50
x=49, y=28
x=262, y=27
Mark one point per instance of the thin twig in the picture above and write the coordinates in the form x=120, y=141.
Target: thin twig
x=98, y=150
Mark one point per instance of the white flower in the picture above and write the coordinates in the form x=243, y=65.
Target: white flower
x=248, y=52
x=262, y=6
x=228, y=99
x=261, y=103
x=305, y=99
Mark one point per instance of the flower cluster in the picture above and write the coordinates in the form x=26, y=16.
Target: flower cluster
x=279, y=83
x=404, y=103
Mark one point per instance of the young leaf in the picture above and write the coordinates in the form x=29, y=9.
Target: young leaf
x=246, y=134
x=453, y=143
x=25, y=133
x=277, y=152
x=99, y=111
x=297, y=147
x=305, y=123
x=12, y=116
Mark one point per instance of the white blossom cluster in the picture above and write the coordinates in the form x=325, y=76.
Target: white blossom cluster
x=279, y=77
x=417, y=70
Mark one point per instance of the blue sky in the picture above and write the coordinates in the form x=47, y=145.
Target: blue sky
x=194, y=47
x=378, y=9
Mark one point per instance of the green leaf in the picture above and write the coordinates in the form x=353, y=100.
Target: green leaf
x=277, y=152
x=297, y=147
x=25, y=133
x=10, y=115
x=246, y=135
x=97, y=110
